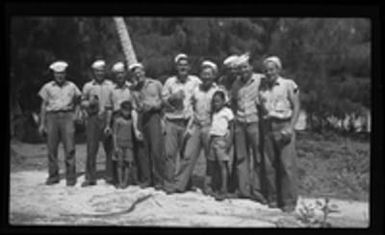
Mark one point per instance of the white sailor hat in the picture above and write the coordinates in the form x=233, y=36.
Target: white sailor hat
x=179, y=57
x=118, y=67
x=275, y=60
x=99, y=64
x=134, y=66
x=230, y=61
x=59, y=66
x=242, y=59
x=210, y=64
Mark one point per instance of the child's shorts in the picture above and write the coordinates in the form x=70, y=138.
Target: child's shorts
x=125, y=155
x=219, y=147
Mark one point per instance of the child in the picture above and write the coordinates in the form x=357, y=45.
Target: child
x=221, y=131
x=123, y=143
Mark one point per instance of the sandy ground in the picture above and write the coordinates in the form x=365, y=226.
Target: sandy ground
x=33, y=203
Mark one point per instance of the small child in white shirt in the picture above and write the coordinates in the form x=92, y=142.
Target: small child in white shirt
x=221, y=132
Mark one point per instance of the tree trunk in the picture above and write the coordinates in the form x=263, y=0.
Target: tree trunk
x=125, y=41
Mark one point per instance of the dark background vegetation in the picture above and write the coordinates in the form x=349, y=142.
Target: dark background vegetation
x=329, y=58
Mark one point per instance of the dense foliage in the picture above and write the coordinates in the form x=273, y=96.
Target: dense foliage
x=328, y=57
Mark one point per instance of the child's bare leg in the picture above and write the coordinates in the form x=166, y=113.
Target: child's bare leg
x=125, y=170
x=208, y=178
x=224, y=176
x=133, y=173
x=120, y=173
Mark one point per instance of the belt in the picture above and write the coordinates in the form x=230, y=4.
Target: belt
x=60, y=111
x=200, y=125
x=278, y=120
x=178, y=121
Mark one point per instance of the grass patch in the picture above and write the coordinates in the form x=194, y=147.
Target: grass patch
x=336, y=166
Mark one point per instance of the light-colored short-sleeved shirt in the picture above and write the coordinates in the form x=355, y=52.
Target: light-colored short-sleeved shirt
x=101, y=90
x=172, y=86
x=247, y=100
x=150, y=93
x=220, y=122
x=201, y=102
x=277, y=97
x=120, y=94
x=59, y=98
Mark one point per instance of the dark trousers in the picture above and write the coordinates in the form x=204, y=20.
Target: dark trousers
x=248, y=159
x=152, y=150
x=143, y=162
x=95, y=134
x=60, y=127
x=280, y=164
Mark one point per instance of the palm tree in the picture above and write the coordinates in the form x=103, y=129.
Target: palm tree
x=125, y=41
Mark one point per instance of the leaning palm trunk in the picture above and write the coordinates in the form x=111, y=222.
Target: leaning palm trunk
x=125, y=41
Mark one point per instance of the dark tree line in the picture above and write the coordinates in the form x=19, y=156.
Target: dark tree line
x=328, y=57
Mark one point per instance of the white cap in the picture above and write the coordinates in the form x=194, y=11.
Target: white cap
x=275, y=60
x=135, y=65
x=210, y=64
x=230, y=61
x=179, y=57
x=118, y=67
x=99, y=64
x=242, y=59
x=59, y=66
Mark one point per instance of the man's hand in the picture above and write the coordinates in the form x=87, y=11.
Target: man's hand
x=163, y=126
x=189, y=130
x=272, y=114
x=187, y=134
x=146, y=107
x=42, y=130
x=108, y=130
x=117, y=151
x=85, y=104
x=176, y=99
x=288, y=130
x=178, y=95
x=138, y=135
x=267, y=116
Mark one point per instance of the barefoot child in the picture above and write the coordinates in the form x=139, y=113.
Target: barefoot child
x=220, y=138
x=123, y=143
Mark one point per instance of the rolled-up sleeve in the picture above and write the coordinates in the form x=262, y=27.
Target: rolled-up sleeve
x=293, y=89
x=43, y=93
x=166, y=90
x=78, y=93
x=86, y=92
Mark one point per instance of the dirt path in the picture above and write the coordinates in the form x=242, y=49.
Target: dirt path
x=32, y=202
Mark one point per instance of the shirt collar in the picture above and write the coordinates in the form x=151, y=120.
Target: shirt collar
x=125, y=85
x=251, y=80
x=213, y=86
x=187, y=79
x=145, y=83
x=94, y=82
x=54, y=83
x=277, y=81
